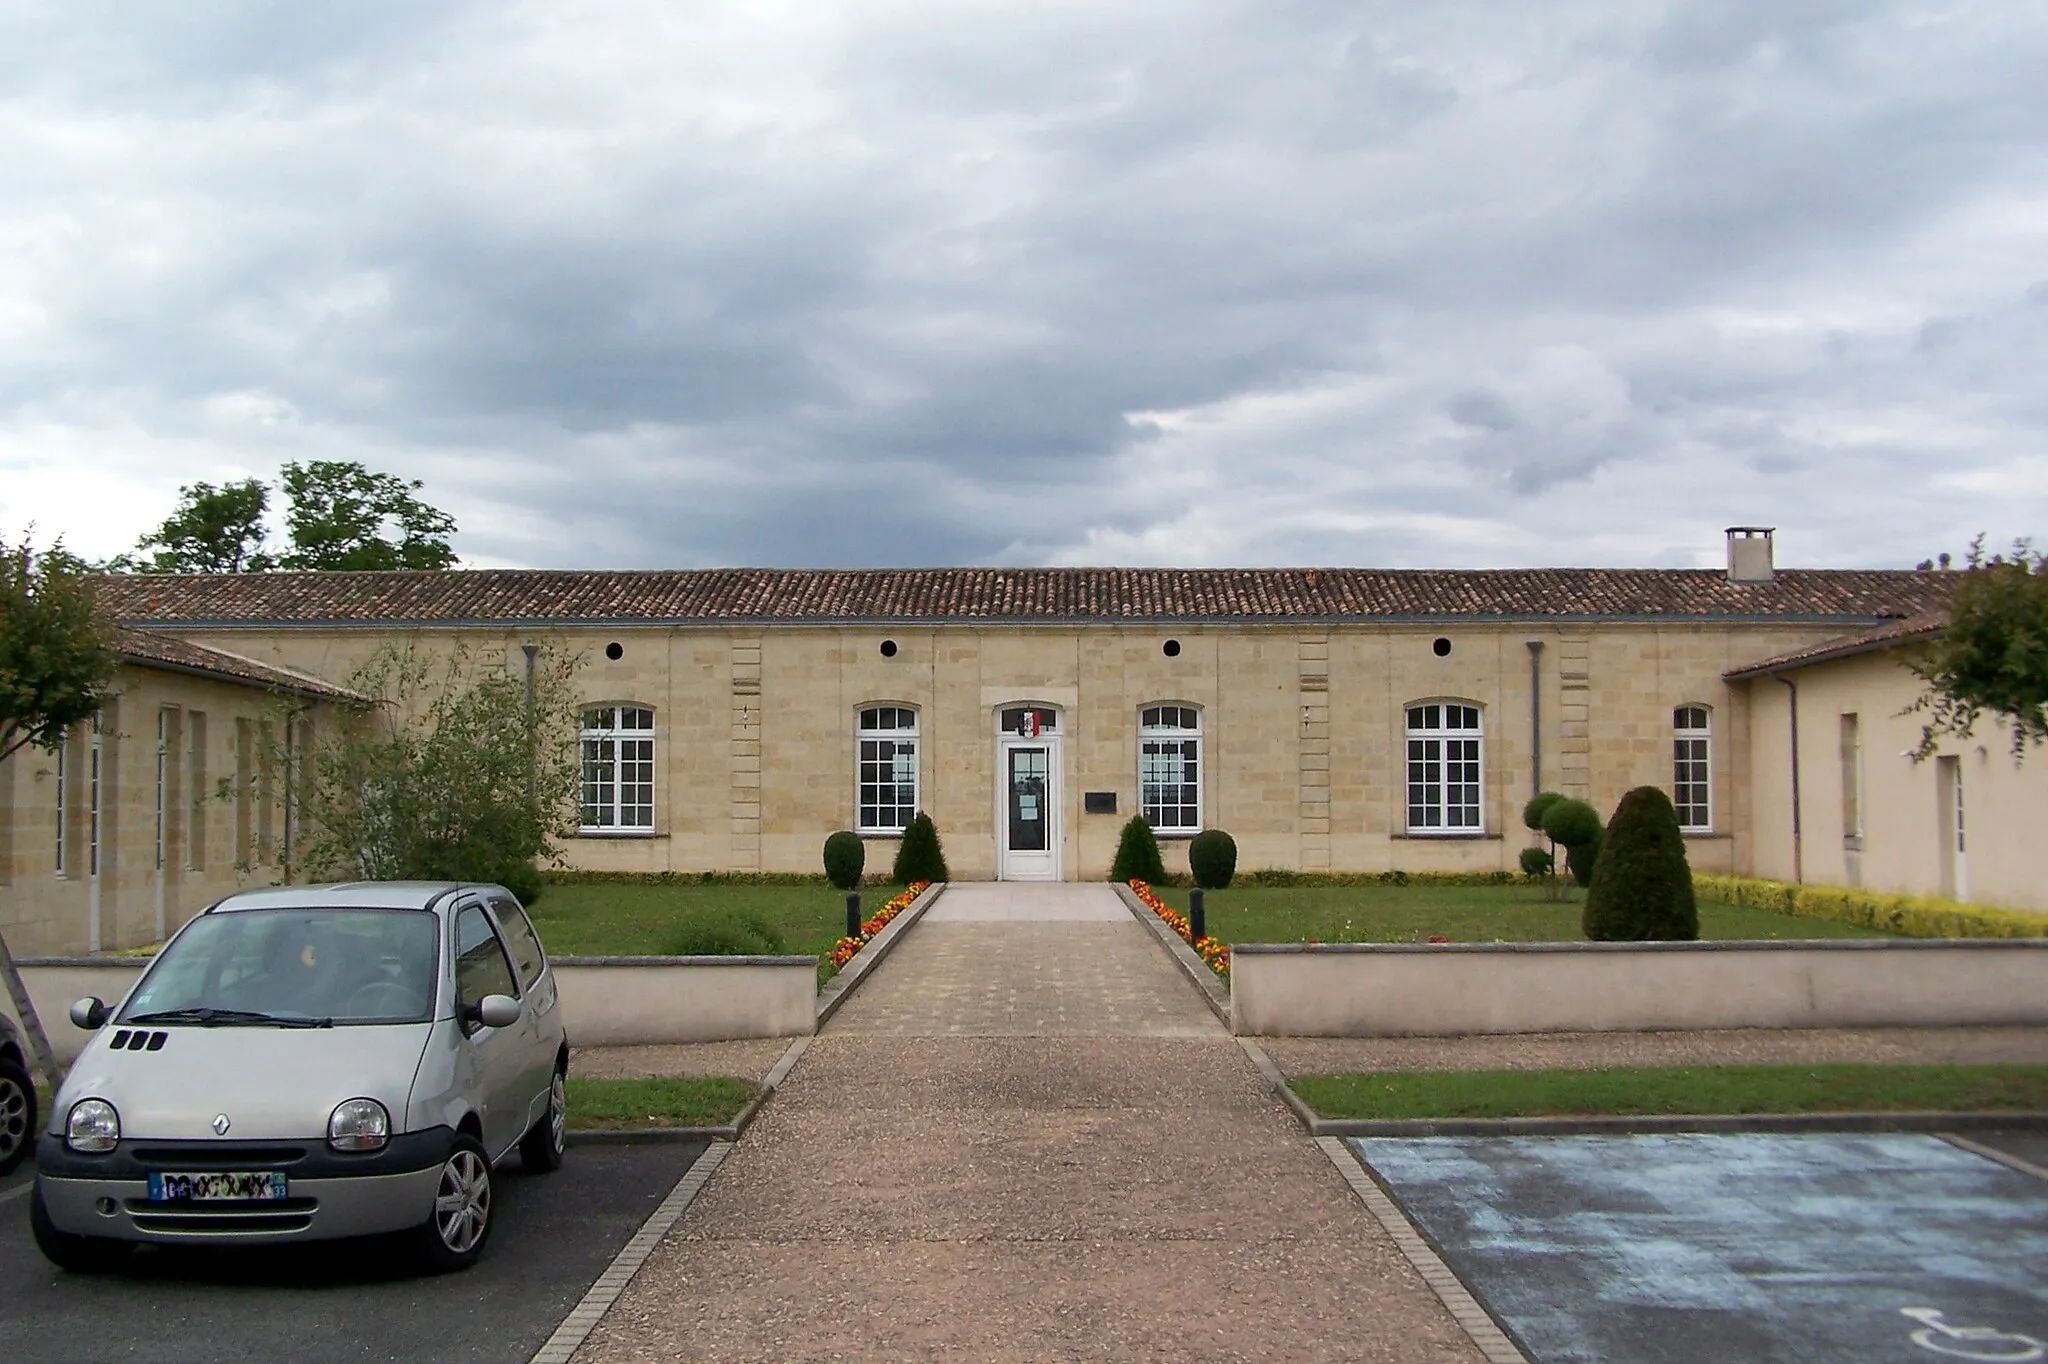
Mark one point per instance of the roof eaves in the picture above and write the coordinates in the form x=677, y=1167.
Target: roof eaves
x=1007, y=621
x=1807, y=658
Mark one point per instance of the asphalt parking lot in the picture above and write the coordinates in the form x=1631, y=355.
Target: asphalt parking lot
x=1693, y=1247
x=555, y=1234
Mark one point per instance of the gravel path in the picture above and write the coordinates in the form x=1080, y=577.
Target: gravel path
x=1117, y=1185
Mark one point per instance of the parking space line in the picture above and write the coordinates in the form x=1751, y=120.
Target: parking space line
x=584, y=1316
x=2010, y=1162
x=1477, y=1323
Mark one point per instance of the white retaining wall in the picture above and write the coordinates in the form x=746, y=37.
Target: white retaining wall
x=606, y=1001
x=1376, y=990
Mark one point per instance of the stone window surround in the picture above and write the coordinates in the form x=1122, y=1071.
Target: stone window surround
x=899, y=735
x=1179, y=734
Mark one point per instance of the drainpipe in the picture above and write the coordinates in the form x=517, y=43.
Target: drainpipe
x=531, y=757
x=1535, y=717
x=1798, y=858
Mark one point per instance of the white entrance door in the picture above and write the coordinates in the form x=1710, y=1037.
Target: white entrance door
x=1027, y=810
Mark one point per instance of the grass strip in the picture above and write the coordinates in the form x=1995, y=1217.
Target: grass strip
x=1675, y=1089
x=676, y=1101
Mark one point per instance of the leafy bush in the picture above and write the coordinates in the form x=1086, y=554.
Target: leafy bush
x=1642, y=887
x=1137, y=854
x=1539, y=804
x=1913, y=915
x=724, y=933
x=845, y=857
x=1575, y=826
x=1212, y=859
x=522, y=879
x=919, y=857
x=1537, y=862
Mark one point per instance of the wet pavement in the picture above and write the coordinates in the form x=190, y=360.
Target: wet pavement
x=1804, y=1249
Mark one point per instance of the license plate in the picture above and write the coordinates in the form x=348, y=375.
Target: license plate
x=216, y=1186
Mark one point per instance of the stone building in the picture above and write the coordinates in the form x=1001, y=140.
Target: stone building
x=1349, y=719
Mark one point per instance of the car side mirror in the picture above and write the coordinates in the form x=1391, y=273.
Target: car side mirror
x=89, y=1013
x=495, y=1011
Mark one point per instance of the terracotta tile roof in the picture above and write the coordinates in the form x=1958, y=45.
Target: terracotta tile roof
x=151, y=649
x=1049, y=595
x=1888, y=636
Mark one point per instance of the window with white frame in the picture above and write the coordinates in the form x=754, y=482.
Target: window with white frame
x=92, y=787
x=885, y=760
x=63, y=800
x=1170, y=768
x=1692, y=790
x=1444, y=765
x=618, y=769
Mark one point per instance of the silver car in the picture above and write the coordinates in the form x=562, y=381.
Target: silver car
x=305, y=1063
x=17, y=1098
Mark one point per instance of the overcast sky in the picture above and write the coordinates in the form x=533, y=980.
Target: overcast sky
x=1188, y=282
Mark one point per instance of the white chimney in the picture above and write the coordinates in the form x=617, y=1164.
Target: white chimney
x=1749, y=554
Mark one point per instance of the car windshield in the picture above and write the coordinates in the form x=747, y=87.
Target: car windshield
x=294, y=967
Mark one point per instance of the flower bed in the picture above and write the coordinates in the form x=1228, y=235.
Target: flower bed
x=1217, y=954
x=843, y=950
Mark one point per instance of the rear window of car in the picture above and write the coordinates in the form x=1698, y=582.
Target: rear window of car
x=524, y=942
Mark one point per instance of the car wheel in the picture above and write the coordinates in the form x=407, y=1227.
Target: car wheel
x=17, y=1115
x=542, y=1146
x=75, y=1254
x=460, y=1222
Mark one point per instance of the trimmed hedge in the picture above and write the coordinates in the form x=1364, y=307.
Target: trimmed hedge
x=576, y=877
x=845, y=857
x=919, y=857
x=1912, y=915
x=1212, y=859
x=1283, y=876
x=1137, y=854
x=1642, y=887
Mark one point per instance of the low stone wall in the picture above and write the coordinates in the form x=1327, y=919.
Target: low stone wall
x=606, y=1001
x=1392, y=990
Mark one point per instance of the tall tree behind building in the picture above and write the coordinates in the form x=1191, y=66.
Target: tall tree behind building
x=339, y=515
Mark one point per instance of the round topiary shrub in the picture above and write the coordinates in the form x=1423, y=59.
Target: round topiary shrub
x=1537, y=862
x=1575, y=826
x=1212, y=859
x=845, y=858
x=1539, y=804
x=1137, y=854
x=919, y=857
x=1642, y=885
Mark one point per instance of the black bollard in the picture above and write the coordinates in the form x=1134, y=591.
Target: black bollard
x=853, y=914
x=1198, y=922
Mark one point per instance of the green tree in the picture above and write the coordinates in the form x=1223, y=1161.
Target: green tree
x=58, y=666
x=1137, y=854
x=1543, y=863
x=1575, y=826
x=1642, y=885
x=214, y=530
x=1992, y=655
x=342, y=516
x=447, y=772
x=58, y=662
x=919, y=856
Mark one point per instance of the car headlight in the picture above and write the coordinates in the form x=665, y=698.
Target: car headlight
x=93, y=1126
x=359, y=1125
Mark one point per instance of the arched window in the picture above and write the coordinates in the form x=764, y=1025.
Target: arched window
x=1170, y=768
x=885, y=758
x=1444, y=766
x=618, y=769
x=1692, y=782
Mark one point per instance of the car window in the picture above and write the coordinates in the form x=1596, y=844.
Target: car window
x=520, y=937
x=342, y=965
x=480, y=965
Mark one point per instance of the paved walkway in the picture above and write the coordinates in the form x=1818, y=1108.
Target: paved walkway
x=1026, y=1138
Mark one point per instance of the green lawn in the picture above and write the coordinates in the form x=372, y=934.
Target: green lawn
x=683, y=1101
x=633, y=921
x=1675, y=1089
x=1412, y=913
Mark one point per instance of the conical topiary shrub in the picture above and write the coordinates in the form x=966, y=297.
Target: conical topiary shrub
x=845, y=858
x=1137, y=854
x=1642, y=885
x=1212, y=859
x=919, y=857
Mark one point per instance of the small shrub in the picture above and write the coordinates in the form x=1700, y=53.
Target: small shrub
x=1212, y=859
x=1137, y=854
x=522, y=879
x=919, y=856
x=1537, y=863
x=845, y=858
x=723, y=933
x=1539, y=805
x=1576, y=826
x=1642, y=886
